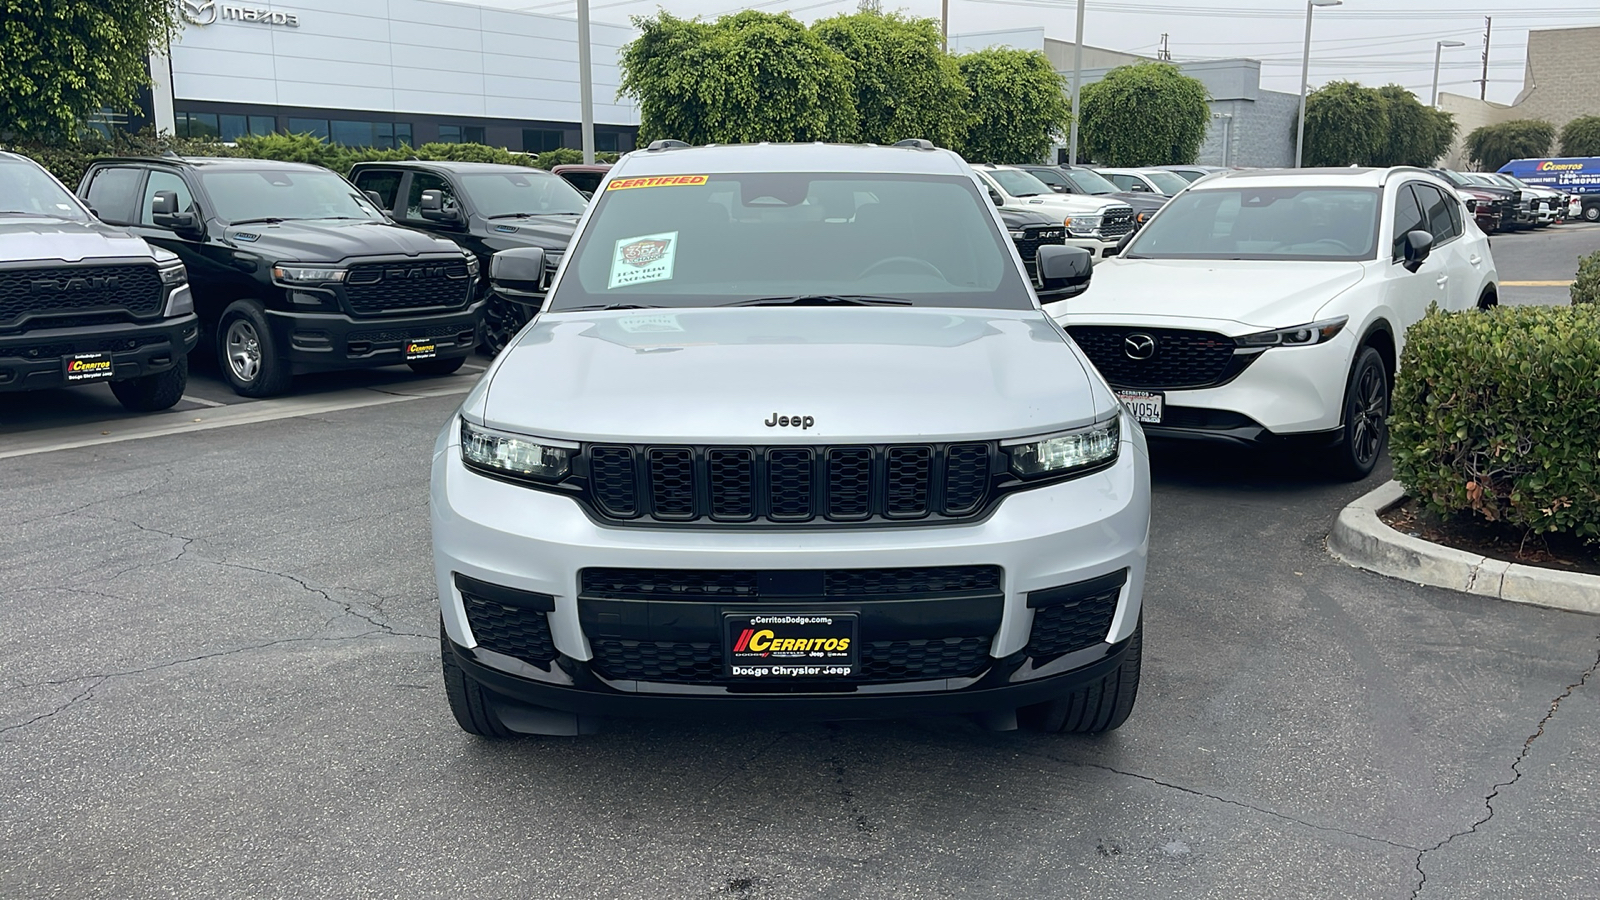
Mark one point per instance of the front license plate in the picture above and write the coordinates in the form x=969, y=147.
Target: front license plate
x=1145, y=405
x=82, y=368
x=775, y=645
x=421, y=350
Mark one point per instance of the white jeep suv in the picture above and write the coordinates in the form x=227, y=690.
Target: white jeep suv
x=1093, y=223
x=1263, y=306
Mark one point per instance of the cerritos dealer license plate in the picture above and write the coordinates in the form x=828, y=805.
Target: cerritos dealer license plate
x=790, y=645
x=81, y=368
x=421, y=349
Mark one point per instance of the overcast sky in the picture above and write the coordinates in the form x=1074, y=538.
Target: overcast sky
x=1375, y=42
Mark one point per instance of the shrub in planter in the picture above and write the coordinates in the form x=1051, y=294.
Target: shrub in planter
x=1498, y=413
x=1586, y=287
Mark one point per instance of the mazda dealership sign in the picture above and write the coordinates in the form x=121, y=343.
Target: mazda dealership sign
x=207, y=12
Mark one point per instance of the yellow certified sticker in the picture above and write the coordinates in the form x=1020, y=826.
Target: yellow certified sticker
x=622, y=184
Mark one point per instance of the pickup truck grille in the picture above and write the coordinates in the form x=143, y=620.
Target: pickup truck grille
x=1118, y=222
x=69, y=290
x=789, y=484
x=1180, y=358
x=1035, y=236
x=375, y=289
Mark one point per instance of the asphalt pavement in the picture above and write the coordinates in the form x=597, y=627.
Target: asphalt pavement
x=219, y=677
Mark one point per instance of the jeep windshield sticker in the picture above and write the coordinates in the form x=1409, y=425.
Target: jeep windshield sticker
x=622, y=184
x=649, y=324
x=642, y=259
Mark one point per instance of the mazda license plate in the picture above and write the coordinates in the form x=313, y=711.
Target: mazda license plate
x=1145, y=405
x=779, y=645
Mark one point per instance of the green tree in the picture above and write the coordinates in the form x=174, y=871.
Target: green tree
x=1581, y=137
x=906, y=86
x=1492, y=146
x=63, y=61
x=1346, y=124
x=1149, y=114
x=751, y=76
x=1417, y=134
x=1018, y=106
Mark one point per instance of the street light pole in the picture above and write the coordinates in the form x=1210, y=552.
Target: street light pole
x=1438, y=48
x=1305, y=75
x=585, y=83
x=1077, y=81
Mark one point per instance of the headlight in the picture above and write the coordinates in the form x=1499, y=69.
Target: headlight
x=515, y=456
x=307, y=274
x=1017, y=235
x=1068, y=451
x=173, y=273
x=1083, y=224
x=472, y=263
x=1298, y=336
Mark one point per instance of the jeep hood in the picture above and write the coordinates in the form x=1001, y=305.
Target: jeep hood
x=863, y=374
x=333, y=240
x=1256, y=294
x=54, y=240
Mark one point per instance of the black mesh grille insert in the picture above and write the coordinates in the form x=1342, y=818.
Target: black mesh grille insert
x=882, y=662
x=747, y=584
x=512, y=630
x=1117, y=222
x=1066, y=627
x=789, y=484
x=680, y=663
x=73, y=289
x=850, y=483
x=1180, y=358
x=919, y=580
x=668, y=584
x=379, y=288
x=908, y=481
x=966, y=477
x=672, y=482
x=953, y=657
x=733, y=496
x=611, y=477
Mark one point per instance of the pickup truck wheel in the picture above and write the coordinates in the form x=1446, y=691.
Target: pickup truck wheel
x=1366, y=418
x=436, y=366
x=150, y=393
x=248, y=355
x=467, y=700
x=502, y=319
x=1098, y=706
x=1591, y=213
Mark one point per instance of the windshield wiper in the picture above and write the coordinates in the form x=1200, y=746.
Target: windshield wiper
x=264, y=220
x=605, y=307
x=529, y=215
x=824, y=300
x=24, y=212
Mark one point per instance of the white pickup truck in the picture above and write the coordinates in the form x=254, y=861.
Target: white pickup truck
x=1094, y=224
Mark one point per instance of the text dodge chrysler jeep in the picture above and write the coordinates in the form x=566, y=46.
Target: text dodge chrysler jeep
x=793, y=437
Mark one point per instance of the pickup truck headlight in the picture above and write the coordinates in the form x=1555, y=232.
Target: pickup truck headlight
x=292, y=274
x=1298, y=336
x=514, y=456
x=472, y=263
x=173, y=273
x=1066, y=452
x=1083, y=224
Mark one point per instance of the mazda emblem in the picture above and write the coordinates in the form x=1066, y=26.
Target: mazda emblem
x=1139, y=346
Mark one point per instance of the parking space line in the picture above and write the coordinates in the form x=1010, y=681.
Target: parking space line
x=203, y=402
x=1536, y=283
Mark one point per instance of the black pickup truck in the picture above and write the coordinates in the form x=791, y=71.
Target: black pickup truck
x=83, y=302
x=484, y=207
x=295, y=270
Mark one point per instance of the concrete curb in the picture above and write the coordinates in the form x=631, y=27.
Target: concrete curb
x=1361, y=539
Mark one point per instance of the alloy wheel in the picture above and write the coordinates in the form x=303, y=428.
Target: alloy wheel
x=244, y=350
x=1368, y=415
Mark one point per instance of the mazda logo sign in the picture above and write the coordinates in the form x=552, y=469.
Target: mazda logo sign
x=1139, y=346
x=199, y=12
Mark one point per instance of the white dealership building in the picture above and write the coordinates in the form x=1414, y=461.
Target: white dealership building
x=388, y=72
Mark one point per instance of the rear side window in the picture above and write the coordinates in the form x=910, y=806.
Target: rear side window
x=1443, y=224
x=1407, y=218
x=114, y=194
x=383, y=182
x=164, y=181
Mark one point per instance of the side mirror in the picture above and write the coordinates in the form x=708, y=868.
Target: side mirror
x=164, y=213
x=1418, y=244
x=995, y=198
x=587, y=195
x=433, y=208
x=375, y=198
x=1138, y=188
x=518, y=272
x=1063, y=271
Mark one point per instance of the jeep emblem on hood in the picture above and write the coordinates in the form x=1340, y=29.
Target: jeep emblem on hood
x=801, y=422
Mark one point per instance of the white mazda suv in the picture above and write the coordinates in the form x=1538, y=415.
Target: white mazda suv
x=1271, y=306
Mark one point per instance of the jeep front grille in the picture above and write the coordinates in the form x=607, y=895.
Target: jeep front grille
x=374, y=289
x=55, y=291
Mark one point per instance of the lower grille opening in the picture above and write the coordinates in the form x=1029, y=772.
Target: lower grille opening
x=882, y=662
x=514, y=623
x=1074, y=616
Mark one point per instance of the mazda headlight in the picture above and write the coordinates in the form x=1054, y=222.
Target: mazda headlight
x=173, y=273
x=1083, y=224
x=1066, y=452
x=290, y=274
x=1298, y=336
x=515, y=456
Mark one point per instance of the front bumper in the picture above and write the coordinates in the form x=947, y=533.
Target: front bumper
x=32, y=360
x=1099, y=246
x=1066, y=534
x=322, y=341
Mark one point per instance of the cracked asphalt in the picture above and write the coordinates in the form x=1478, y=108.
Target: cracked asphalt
x=219, y=678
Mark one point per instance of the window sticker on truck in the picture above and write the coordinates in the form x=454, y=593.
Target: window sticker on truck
x=623, y=184
x=642, y=259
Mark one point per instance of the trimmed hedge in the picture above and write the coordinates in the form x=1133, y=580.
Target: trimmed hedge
x=1586, y=286
x=1498, y=413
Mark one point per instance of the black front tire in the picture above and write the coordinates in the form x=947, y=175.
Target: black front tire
x=1591, y=213
x=436, y=366
x=502, y=319
x=469, y=703
x=248, y=354
x=151, y=393
x=1098, y=706
x=1365, y=435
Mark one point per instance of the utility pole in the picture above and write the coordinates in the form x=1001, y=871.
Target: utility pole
x=1077, y=82
x=1483, y=85
x=585, y=83
x=944, y=24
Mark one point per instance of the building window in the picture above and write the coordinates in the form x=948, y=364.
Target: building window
x=313, y=127
x=606, y=141
x=461, y=134
x=106, y=120
x=539, y=140
x=202, y=126
x=384, y=135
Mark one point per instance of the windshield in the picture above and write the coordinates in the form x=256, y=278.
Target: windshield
x=284, y=194
x=1018, y=183
x=1189, y=175
x=501, y=194
x=1311, y=223
x=1168, y=183
x=724, y=239
x=1091, y=182
x=1479, y=178
x=25, y=189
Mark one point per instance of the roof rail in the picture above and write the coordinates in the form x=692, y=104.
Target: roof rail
x=916, y=144
x=666, y=144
